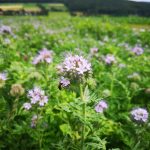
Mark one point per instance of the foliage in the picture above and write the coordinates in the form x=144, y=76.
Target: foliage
x=124, y=83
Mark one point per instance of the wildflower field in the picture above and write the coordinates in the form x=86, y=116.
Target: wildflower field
x=74, y=83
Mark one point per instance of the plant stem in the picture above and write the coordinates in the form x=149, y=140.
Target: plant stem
x=84, y=115
x=112, y=84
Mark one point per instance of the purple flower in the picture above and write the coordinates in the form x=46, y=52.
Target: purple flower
x=109, y=59
x=5, y=29
x=75, y=65
x=27, y=106
x=3, y=76
x=94, y=50
x=139, y=114
x=64, y=82
x=37, y=95
x=34, y=121
x=44, y=56
x=43, y=100
x=101, y=106
x=137, y=50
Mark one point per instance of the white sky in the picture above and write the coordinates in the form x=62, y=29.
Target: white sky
x=141, y=0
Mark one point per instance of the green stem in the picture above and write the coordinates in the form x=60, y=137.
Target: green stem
x=111, y=86
x=84, y=115
x=39, y=129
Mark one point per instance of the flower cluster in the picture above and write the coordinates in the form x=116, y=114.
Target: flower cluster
x=139, y=115
x=137, y=50
x=101, y=106
x=5, y=29
x=36, y=95
x=27, y=106
x=44, y=55
x=109, y=59
x=64, y=82
x=75, y=65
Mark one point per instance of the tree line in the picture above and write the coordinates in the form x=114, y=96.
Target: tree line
x=112, y=7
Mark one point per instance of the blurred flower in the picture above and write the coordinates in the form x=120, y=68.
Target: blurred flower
x=27, y=106
x=139, y=115
x=106, y=93
x=34, y=121
x=93, y=50
x=43, y=100
x=44, y=56
x=147, y=91
x=7, y=41
x=134, y=86
x=5, y=29
x=137, y=50
x=75, y=65
x=3, y=78
x=37, y=95
x=109, y=59
x=122, y=65
x=101, y=106
x=106, y=39
x=64, y=82
x=17, y=90
x=135, y=76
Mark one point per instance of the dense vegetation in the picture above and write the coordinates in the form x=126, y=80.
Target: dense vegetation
x=100, y=103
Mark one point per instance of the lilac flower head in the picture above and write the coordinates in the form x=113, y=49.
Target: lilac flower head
x=101, y=106
x=37, y=95
x=3, y=76
x=75, y=65
x=137, y=50
x=44, y=55
x=27, y=106
x=109, y=59
x=34, y=121
x=139, y=114
x=5, y=29
x=94, y=50
x=64, y=82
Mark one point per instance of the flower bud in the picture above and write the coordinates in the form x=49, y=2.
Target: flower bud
x=17, y=90
x=134, y=86
x=147, y=91
x=106, y=93
x=35, y=75
x=91, y=82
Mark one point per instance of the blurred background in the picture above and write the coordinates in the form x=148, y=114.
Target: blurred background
x=76, y=7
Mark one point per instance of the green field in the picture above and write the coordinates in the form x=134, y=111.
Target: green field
x=103, y=101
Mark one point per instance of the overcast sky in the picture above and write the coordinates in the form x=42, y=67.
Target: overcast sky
x=141, y=0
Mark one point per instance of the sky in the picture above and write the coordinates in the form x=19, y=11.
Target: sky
x=141, y=0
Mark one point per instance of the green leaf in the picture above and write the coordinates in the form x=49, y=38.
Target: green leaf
x=66, y=129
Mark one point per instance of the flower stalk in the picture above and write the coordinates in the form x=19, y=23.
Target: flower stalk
x=84, y=116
